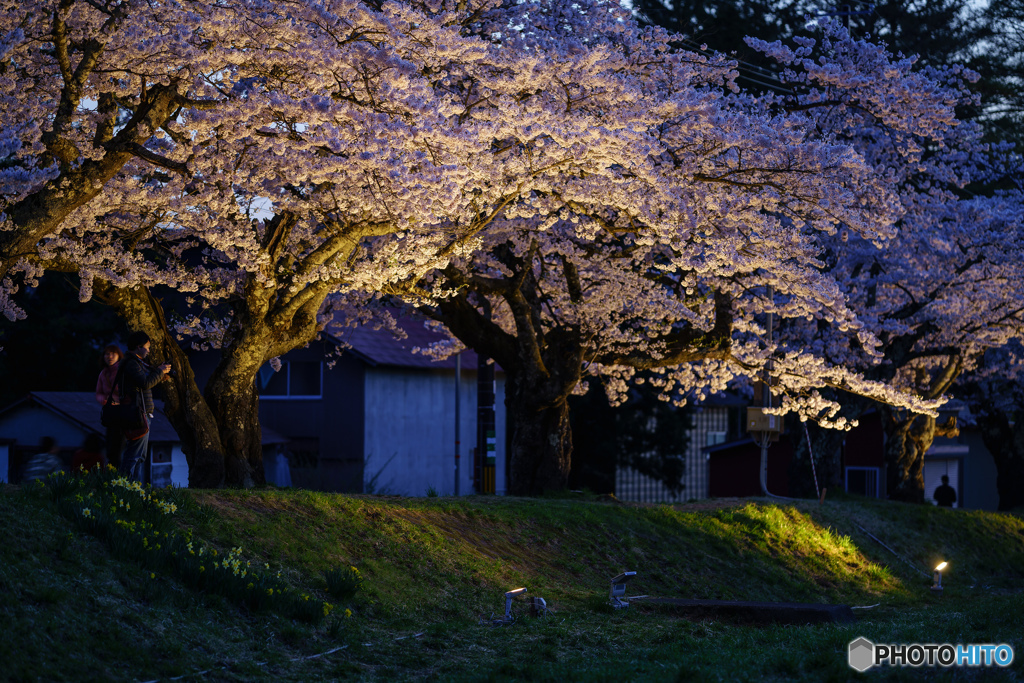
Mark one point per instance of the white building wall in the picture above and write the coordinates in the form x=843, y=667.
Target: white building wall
x=179, y=467
x=710, y=426
x=409, y=432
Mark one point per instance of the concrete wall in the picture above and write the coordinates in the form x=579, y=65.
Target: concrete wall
x=409, y=432
x=179, y=467
x=979, y=480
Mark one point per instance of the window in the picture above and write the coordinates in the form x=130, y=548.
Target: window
x=295, y=379
x=714, y=438
x=864, y=481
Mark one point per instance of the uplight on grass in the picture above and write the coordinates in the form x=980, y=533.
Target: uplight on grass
x=617, y=597
x=937, y=576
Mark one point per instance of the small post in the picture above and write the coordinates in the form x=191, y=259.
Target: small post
x=458, y=380
x=937, y=577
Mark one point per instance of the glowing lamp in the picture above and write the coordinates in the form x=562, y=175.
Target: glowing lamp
x=937, y=576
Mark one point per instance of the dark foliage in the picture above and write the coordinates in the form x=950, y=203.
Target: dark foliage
x=58, y=346
x=645, y=434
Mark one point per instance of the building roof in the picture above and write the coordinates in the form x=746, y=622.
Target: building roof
x=745, y=440
x=380, y=347
x=81, y=407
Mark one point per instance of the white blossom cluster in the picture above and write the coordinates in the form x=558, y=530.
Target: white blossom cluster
x=562, y=170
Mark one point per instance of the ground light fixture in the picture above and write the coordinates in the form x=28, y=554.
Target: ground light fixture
x=618, y=592
x=507, y=619
x=937, y=576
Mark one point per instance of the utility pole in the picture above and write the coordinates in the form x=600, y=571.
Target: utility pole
x=458, y=381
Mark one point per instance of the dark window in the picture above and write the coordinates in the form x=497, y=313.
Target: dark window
x=295, y=379
x=862, y=480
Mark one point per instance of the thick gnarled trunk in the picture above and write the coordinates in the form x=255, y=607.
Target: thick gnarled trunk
x=231, y=395
x=541, y=453
x=907, y=438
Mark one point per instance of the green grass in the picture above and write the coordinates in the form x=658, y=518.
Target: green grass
x=434, y=571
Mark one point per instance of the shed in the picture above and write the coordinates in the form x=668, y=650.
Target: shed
x=69, y=416
x=364, y=411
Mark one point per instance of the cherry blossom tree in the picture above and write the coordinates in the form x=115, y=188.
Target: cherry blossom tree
x=942, y=291
x=550, y=167
x=86, y=86
x=330, y=147
x=734, y=229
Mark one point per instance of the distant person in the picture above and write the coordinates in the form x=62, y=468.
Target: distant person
x=105, y=386
x=90, y=455
x=945, y=495
x=136, y=384
x=43, y=463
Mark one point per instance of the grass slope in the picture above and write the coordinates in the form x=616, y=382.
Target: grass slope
x=435, y=570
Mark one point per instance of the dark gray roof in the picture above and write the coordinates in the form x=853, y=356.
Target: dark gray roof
x=382, y=347
x=81, y=407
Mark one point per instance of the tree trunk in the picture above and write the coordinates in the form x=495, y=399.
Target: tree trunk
x=908, y=437
x=542, y=437
x=184, y=404
x=231, y=395
x=1005, y=441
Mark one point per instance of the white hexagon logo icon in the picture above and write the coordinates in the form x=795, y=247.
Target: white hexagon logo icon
x=861, y=654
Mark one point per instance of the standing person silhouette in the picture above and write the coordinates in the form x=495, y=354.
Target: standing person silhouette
x=137, y=382
x=945, y=495
x=105, y=387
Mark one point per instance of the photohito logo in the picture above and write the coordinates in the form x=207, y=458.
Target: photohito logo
x=862, y=654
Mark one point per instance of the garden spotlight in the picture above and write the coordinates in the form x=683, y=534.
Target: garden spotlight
x=618, y=592
x=937, y=576
x=508, y=604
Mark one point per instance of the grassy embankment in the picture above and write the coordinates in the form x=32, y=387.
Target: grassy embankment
x=72, y=607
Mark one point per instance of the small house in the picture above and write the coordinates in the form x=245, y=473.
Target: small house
x=68, y=417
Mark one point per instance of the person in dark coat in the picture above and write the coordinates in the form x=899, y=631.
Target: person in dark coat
x=136, y=385
x=945, y=495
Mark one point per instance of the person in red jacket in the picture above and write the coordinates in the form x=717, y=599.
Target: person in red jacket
x=90, y=455
x=105, y=387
